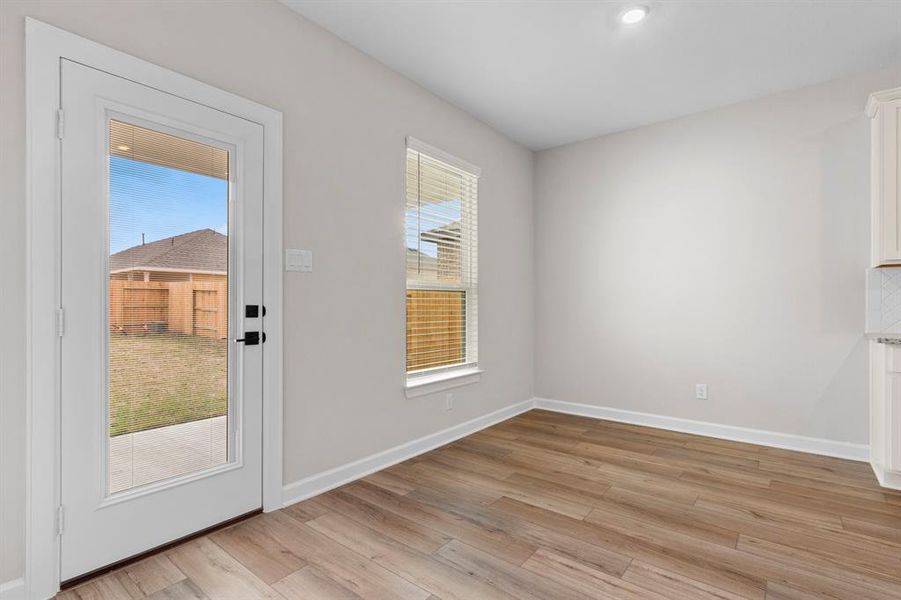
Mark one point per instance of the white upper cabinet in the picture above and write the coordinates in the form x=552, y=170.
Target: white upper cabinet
x=884, y=110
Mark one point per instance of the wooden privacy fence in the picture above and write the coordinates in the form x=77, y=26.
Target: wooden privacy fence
x=186, y=307
x=436, y=328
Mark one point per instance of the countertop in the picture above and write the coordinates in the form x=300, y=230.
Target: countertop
x=895, y=337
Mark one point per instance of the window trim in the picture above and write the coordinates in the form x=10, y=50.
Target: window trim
x=423, y=382
x=445, y=157
x=436, y=379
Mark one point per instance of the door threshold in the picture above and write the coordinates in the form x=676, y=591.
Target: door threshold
x=79, y=579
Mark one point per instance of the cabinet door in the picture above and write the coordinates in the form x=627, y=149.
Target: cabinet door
x=893, y=426
x=886, y=166
x=879, y=389
x=885, y=408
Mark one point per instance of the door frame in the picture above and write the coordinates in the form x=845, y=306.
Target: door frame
x=45, y=47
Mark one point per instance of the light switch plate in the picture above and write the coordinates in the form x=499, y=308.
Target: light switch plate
x=298, y=260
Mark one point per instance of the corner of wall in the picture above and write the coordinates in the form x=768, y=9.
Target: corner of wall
x=13, y=590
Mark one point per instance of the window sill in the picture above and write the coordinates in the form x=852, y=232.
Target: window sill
x=429, y=384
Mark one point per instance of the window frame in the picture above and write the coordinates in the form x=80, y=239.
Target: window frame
x=433, y=379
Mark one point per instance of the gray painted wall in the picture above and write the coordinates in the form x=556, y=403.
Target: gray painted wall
x=725, y=248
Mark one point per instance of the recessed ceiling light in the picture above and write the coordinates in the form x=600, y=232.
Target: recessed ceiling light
x=123, y=148
x=633, y=15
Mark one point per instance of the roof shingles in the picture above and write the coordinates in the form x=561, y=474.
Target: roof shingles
x=203, y=250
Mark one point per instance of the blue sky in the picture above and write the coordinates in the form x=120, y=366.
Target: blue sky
x=449, y=211
x=161, y=202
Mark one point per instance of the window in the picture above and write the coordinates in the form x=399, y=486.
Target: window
x=442, y=262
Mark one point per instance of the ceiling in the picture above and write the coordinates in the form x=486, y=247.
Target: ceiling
x=547, y=73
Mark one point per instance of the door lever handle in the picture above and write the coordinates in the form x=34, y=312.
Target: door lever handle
x=251, y=338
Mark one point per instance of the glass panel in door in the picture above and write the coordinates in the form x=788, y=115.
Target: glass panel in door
x=168, y=306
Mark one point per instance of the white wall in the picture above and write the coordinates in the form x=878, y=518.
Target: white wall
x=346, y=117
x=725, y=248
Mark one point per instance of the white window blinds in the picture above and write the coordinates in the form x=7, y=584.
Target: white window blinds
x=442, y=262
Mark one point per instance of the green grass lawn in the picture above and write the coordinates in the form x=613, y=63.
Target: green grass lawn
x=165, y=379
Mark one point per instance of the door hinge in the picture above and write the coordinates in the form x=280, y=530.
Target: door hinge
x=60, y=123
x=60, y=519
x=60, y=321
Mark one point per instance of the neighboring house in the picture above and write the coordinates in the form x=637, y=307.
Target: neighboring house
x=449, y=242
x=420, y=264
x=198, y=255
x=175, y=285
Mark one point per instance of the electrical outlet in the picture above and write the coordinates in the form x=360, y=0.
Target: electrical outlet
x=449, y=402
x=701, y=391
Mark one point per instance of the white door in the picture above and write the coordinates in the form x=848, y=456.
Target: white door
x=161, y=262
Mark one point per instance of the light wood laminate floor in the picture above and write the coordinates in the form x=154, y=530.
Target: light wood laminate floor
x=549, y=506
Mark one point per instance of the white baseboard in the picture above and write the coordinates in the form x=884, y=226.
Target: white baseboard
x=328, y=480
x=12, y=590
x=886, y=479
x=774, y=439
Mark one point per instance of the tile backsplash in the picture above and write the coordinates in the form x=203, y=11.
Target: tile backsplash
x=884, y=300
